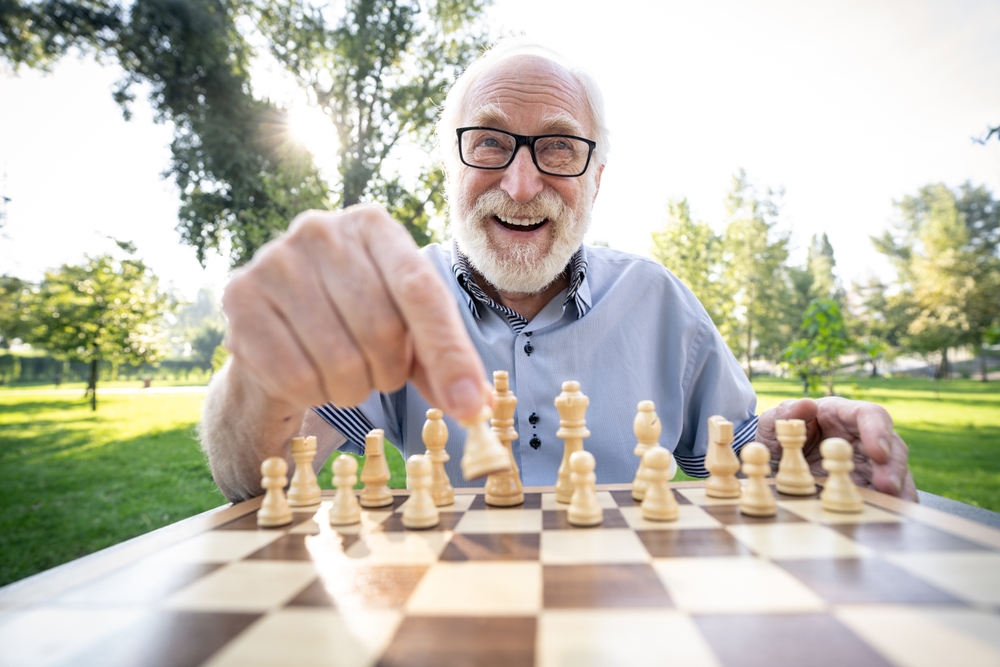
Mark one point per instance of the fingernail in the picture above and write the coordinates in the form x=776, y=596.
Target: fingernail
x=884, y=444
x=465, y=397
x=897, y=483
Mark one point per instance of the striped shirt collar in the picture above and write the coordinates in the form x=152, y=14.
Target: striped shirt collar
x=577, y=292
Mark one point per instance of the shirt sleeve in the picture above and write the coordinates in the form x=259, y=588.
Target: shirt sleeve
x=378, y=411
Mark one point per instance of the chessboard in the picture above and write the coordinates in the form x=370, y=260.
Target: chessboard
x=896, y=584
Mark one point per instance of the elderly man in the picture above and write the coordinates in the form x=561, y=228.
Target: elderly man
x=344, y=310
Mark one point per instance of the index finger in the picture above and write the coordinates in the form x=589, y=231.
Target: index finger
x=868, y=422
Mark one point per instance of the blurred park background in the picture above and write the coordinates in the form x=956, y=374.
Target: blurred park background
x=823, y=177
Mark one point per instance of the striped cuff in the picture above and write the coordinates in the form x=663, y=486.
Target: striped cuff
x=694, y=466
x=352, y=424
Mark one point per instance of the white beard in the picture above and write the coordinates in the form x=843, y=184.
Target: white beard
x=520, y=268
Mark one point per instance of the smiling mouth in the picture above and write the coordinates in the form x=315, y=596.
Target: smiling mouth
x=521, y=224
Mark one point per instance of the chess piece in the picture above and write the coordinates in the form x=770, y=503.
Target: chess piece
x=345, y=509
x=658, y=503
x=420, y=510
x=483, y=452
x=584, y=510
x=757, y=498
x=304, y=491
x=375, y=475
x=793, y=478
x=504, y=489
x=274, y=509
x=839, y=493
x=647, y=428
x=572, y=406
x=435, y=437
x=721, y=460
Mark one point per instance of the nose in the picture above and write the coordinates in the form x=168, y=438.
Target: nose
x=521, y=179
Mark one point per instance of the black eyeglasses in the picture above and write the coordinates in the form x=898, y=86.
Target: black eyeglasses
x=553, y=154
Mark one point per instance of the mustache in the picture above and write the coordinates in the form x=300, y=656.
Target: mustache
x=546, y=204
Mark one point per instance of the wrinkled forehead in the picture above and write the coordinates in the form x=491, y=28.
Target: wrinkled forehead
x=528, y=94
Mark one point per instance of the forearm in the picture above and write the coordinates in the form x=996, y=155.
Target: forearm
x=240, y=427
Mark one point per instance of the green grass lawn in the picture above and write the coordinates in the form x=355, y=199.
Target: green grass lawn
x=73, y=481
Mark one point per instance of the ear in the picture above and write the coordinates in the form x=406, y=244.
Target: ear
x=597, y=182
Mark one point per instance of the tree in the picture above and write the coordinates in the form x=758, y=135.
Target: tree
x=102, y=310
x=14, y=322
x=206, y=338
x=693, y=252
x=823, y=326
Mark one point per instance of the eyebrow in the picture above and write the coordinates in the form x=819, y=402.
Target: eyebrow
x=491, y=115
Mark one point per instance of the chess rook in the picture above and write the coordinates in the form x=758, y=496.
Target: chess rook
x=345, y=509
x=435, y=437
x=274, y=509
x=304, y=491
x=504, y=489
x=658, y=503
x=584, y=509
x=647, y=428
x=483, y=452
x=572, y=405
x=757, y=498
x=794, y=477
x=839, y=493
x=420, y=511
x=375, y=475
x=721, y=460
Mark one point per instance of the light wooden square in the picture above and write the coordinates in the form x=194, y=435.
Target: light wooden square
x=733, y=585
x=398, y=548
x=812, y=510
x=316, y=637
x=688, y=517
x=643, y=638
x=698, y=497
x=970, y=575
x=797, y=540
x=513, y=520
x=604, y=499
x=461, y=504
x=594, y=545
x=510, y=588
x=370, y=520
x=245, y=586
x=220, y=546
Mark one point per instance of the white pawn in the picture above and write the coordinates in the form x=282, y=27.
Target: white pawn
x=375, y=474
x=420, y=510
x=435, y=437
x=483, y=454
x=304, y=491
x=346, y=509
x=647, y=428
x=274, y=509
x=839, y=493
x=757, y=498
x=658, y=503
x=584, y=510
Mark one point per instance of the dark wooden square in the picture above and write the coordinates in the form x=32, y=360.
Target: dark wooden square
x=625, y=499
x=785, y=640
x=367, y=586
x=731, y=515
x=292, y=547
x=469, y=641
x=492, y=546
x=532, y=501
x=862, y=580
x=448, y=522
x=693, y=542
x=249, y=522
x=559, y=520
x=601, y=586
x=904, y=536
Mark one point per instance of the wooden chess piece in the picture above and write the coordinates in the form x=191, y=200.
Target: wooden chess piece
x=839, y=493
x=572, y=405
x=584, y=509
x=420, y=511
x=757, y=498
x=304, y=491
x=435, y=437
x=658, y=503
x=345, y=509
x=794, y=477
x=721, y=460
x=483, y=452
x=504, y=489
x=274, y=509
x=375, y=475
x=647, y=429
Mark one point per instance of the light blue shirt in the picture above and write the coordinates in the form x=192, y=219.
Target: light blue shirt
x=627, y=329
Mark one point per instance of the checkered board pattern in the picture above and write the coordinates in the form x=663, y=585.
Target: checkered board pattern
x=894, y=585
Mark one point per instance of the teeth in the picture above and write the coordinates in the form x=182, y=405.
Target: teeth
x=520, y=222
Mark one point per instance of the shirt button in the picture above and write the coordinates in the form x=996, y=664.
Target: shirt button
x=535, y=443
x=533, y=419
x=528, y=349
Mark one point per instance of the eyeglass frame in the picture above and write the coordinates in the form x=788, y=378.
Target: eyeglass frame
x=522, y=140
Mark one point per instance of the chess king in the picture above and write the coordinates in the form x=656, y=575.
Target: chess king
x=342, y=324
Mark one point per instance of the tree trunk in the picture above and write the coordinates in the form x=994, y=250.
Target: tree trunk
x=944, y=369
x=92, y=385
x=983, y=365
x=874, y=368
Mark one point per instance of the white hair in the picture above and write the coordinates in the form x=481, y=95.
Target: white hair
x=452, y=109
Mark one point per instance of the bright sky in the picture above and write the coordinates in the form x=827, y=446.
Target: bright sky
x=847, y=105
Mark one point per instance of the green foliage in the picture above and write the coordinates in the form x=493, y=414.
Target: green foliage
x=14, y=316
x=803, y=362
x=823, y=326
x=204, y=343
x=219, y=358
x=36, y=34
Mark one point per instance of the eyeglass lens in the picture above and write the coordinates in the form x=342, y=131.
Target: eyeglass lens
x=554, y=154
